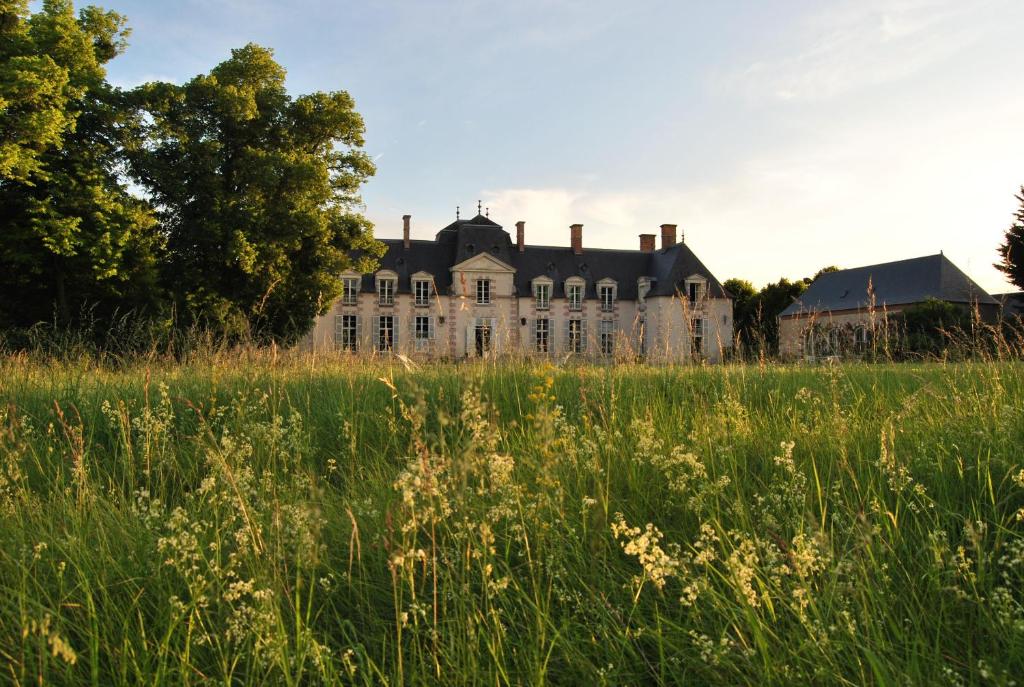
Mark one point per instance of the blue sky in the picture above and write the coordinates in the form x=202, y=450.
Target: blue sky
x=779, y=136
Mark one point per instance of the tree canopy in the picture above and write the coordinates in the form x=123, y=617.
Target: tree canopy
x=71, y=235
x=224, y=201
x=1011, y=251
x=256, y=194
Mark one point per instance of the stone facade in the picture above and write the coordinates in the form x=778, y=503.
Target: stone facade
x=494, y=298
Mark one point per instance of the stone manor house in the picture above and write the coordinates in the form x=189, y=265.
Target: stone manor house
x=474, y=292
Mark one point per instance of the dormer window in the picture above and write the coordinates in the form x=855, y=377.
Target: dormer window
x=696, y=289
x=349, y=290
x=483, y=291
x=421, y=289
x=386, y=290
x=574, y=294
x=542, y=295
x=606, y=293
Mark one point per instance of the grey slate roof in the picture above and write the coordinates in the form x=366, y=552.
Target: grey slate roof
x=465, y=238
x=895, y=283
x=1013, y=303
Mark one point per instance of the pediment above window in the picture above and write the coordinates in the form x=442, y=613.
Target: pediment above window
x=483, y=263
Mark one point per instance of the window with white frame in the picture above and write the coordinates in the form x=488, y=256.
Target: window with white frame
x=606, y=293
x=574, y=292
x=542, y=292
x=423, y=331
x=542, y=335
x=697, y=335
x=385, y=333
x=576, y=336
x=346, y=332
x=483, y=291
x=607, y=336
x=695, y=290
x=641, y=336
x=421, y=292
x=349, y=290
x=862, y=338
x=386, y=291
x=834, y=341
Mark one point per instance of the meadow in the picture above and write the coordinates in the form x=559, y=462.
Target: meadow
x=256, y=520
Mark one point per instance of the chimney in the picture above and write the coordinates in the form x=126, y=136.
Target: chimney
x=668, y=236
x=405, y=230
x=521, y=235
x=576, y=235
x=646, y=243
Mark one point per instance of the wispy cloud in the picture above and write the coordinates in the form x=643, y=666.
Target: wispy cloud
x=864, y=43
x=870, y=194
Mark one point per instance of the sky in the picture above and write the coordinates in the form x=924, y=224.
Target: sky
x=780, y=136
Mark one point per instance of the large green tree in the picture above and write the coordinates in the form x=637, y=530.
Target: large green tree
x=72, y=238
x=257, y=194
x=1011, y=251
x=756, y=313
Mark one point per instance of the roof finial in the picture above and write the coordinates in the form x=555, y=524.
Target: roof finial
x=456, y=212
x=478, y=204
x=487, y=212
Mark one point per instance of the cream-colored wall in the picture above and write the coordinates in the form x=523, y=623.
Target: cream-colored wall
x=667, y=323
x=792, y=329
x=321, y=338
x=669, y=332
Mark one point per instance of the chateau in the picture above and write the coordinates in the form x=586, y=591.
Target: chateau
x=474, y=292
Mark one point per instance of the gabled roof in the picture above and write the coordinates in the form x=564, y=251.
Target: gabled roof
x=463, y=239
x=894, y=283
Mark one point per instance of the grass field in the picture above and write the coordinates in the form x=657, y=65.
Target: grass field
x=259, y=522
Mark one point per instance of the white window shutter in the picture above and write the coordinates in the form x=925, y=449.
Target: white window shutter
x=337, y=331
x=430, y=327
x=583, y=336
x=359, y=332
x=376, y=332
x=394, y=333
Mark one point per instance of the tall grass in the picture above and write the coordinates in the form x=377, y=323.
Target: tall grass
x=295, y=520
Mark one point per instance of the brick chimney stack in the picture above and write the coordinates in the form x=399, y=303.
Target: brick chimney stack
x=405, y=230
x=521, y=235
x=646, y=243
x=576, y=235
x=668, y=236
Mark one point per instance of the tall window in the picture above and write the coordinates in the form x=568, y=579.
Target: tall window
x=607, y=295
x=862, y=338
x=349, y=290
x=423, y=331
x=421, y=290
x=697, y=335
x=543, y=294
x=386, y=291
x=641, y=336
x=346, y=336
x=575, y=295
x=386, y=333
x=576, y=336
x=607, y=337
x=542, y=335
x=483, y=291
